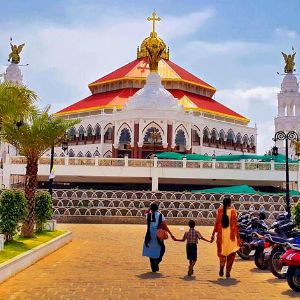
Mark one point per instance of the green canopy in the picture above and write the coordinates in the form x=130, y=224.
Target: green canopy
x=240, y=189
x=197, y=157
x=237, y=157
x=170, y=155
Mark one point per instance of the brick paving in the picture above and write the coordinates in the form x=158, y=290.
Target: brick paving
x=105, y=262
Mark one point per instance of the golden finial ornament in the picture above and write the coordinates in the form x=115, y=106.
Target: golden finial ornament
x=153, y=19
x=289, y=61
x=14, y=56
x=155, y=45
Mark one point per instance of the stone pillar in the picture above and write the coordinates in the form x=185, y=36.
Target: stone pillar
x=154, y=183
x=184, y=162
x=126, y=160
x=169, y=137
x=136, y=139
x=101, y=141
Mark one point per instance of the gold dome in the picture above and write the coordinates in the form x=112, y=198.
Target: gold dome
x=142, y=51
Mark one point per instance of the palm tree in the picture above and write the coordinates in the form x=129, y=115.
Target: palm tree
x=15, y=101
x=36, y=136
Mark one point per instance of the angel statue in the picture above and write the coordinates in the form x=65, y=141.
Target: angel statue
x=155, y=48
x=289, y=62
x=14, y=56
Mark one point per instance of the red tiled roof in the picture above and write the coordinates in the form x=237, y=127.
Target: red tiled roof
x=207, y=104
x=139, y=68
x=118, y=98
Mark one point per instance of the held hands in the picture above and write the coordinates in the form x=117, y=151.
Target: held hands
x=212, y=238
x=173, y=237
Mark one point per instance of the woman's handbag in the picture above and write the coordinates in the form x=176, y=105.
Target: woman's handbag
x=161, y=233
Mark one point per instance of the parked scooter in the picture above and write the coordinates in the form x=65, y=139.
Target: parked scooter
x=247, y=226
x=261, y=249
x=291, y=266
x=274, y=248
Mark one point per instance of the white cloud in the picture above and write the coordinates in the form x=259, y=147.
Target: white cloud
x=72, y=55
x=284, y=32
x=265, y=133
x=242, y=100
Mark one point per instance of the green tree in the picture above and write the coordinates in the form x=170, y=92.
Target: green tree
x=296, y=213
x=36, y=136
x=13, y=209
x=15, y=101
x=43, y=209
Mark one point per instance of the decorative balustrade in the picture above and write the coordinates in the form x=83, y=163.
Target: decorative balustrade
x=169, y=163
x=81, y=161
x=140, y=163
x=162, y=163
x=106, y=162
x=257, y=166
x=228, y=165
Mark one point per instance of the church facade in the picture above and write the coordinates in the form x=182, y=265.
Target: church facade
x=194, y=123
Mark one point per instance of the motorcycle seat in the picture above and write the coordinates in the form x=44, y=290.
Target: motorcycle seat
x=281, y=240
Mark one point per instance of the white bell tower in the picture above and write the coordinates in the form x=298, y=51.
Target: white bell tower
x=288, y=117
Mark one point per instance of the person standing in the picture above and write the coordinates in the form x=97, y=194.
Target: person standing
x=228, y=238
x=154, y=248
x=191, y=237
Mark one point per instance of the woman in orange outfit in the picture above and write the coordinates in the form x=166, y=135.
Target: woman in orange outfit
x=228, y=238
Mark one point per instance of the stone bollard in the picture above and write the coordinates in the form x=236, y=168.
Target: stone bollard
x=50, y=225
x=1, y=241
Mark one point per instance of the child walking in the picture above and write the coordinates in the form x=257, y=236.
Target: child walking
x=192, y=236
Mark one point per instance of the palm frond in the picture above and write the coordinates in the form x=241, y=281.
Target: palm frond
x=37, y=134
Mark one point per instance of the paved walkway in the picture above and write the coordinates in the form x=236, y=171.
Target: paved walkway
x=105, y=262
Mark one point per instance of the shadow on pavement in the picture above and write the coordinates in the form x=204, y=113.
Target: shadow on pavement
x=151, y=275
x=188, y=278
x=257, y=270
x=225, y=282
x=291, y=293
x=275, y=280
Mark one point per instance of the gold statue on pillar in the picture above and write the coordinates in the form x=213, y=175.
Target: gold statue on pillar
x=14, y=56
x=289, y=62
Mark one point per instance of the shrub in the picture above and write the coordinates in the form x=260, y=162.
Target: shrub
x=13, y=209
x=43, y=209
x=296, y=213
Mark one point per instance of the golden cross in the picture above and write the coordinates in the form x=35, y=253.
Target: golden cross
x=153, y=19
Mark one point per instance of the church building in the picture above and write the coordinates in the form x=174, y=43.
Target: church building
x=181, y=115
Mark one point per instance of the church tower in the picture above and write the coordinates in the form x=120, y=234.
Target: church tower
x=288, y=118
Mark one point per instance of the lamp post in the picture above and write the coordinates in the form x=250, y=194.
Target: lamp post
x=282, y=136
x=64, y=147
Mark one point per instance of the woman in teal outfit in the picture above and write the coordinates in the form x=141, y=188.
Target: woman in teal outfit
x=154, y=248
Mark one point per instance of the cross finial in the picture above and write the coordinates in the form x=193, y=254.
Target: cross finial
x=153, y=19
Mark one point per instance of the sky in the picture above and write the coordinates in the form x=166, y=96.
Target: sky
x=233, y=45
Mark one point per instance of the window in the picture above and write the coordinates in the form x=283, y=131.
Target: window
x=108, y=135
x=89, y=133
x=97, y=132
x=180, y=138
x=72, y=134
x=152, y=136
x=205, y=136
x=81, y=134
x=125, y=137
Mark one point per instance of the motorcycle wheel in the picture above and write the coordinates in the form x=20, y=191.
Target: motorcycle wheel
x=244, y=251
x=275, y=264
x=260, y=260
x=293, y=278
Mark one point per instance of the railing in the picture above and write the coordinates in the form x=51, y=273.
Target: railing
x=169, y=163
x=160, y=163
x=140, y=163
x=113, y=162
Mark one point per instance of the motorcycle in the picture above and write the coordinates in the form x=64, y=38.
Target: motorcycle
x=291, y=266
x=247, y=226
x=262, y=248
x=274, y=248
